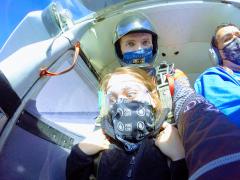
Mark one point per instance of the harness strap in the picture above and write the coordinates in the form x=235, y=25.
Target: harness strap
x=170, y=83
x=165, y=87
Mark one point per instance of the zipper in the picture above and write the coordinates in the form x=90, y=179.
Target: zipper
x=131, y=167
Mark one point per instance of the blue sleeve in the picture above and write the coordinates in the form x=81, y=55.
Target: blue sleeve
x=222, y=90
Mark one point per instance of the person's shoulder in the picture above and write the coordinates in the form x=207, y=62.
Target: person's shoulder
x=216, y=72
x=215, y=69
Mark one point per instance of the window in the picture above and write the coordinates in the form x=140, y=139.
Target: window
x=70, y=100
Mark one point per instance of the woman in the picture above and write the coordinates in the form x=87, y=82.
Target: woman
x=132, y=118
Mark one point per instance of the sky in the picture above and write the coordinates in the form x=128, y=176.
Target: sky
x=13, y=11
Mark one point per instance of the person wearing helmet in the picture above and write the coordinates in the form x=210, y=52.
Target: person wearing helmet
x=136, y=45
x=135, y=42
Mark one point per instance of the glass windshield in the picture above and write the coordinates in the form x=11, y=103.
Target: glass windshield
x=75, y=7
x=12, y=12
x=95, y=6
x=81, y=8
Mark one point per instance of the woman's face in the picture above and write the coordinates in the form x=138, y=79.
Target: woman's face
x=126, y=86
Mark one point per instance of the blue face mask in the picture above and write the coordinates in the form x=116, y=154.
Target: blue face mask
x=142, y=56
x=232, y=51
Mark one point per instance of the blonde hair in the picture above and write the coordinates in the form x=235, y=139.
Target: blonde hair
x=140, y=76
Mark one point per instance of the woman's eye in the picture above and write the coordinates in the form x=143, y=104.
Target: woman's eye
x=130, y=44
x=131, y=94
x=146, y=43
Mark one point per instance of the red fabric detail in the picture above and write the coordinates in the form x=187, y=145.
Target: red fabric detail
x=171, y=83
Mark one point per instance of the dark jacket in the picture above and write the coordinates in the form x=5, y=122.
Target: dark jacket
x=147, y=163
x=211, y=141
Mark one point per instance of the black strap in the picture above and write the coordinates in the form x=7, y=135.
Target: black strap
x=44, y=131
x=160, y=121
x=9, y=100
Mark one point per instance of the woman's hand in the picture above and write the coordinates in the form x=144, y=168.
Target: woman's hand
x=169, y=142
x=94, y=143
